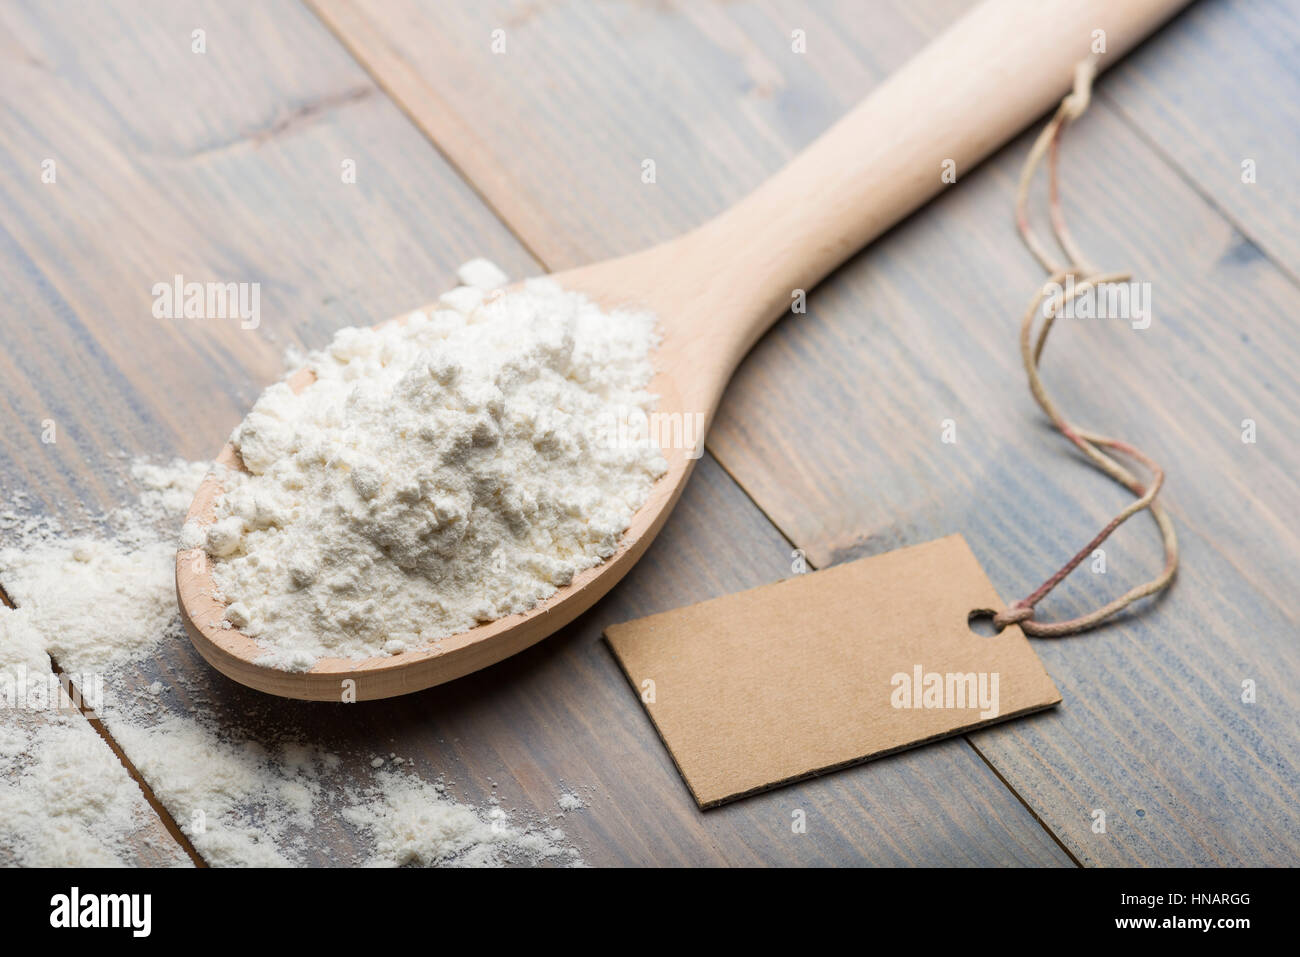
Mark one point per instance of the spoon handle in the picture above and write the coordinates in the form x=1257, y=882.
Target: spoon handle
x=984, y=79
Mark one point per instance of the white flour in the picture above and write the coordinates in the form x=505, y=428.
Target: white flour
x=413, y=822
x=66, y=800
x=439, y=473
x=568, y=801
x=102, y=601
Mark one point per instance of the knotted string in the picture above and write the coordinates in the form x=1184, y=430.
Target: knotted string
x=1031, y=348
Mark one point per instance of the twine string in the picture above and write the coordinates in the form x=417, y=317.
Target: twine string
x=1031, y=348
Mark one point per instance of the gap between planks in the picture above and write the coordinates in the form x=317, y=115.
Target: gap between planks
x=1023, y=803
x=164, y=816
x=1207, y=197
x=382, y=84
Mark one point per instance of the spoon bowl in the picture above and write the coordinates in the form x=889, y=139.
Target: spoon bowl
x=236, y=654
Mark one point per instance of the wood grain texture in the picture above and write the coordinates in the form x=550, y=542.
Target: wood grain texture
x=227, y=168
x=713, y=95
x=1225, y=91
x=833, y=423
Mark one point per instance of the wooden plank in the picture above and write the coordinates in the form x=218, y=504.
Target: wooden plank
x=833, y=424
x=164, y=170
x=1225, y=91
x=70, y=835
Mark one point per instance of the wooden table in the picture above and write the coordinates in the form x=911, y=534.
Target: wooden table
x=227, y=165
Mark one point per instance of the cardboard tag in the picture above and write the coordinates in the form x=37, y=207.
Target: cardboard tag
x=824, y=670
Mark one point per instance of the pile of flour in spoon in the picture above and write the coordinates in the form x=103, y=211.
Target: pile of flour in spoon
x=440, y=472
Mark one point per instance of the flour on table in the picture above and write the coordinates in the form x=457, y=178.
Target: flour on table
x=568, y=801
x=91, y=601
x=438, y=473
x=416, y=823
x=66, y=800
x=101, y=598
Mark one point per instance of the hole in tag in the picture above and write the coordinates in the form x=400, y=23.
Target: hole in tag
x=980, y=621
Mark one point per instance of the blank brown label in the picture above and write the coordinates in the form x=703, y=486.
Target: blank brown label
x=828, y=669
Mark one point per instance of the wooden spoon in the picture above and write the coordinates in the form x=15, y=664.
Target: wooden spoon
x=716, y=289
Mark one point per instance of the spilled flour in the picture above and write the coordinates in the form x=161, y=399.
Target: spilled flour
x=244, y=790
x=448, y=470
x=66, y=800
